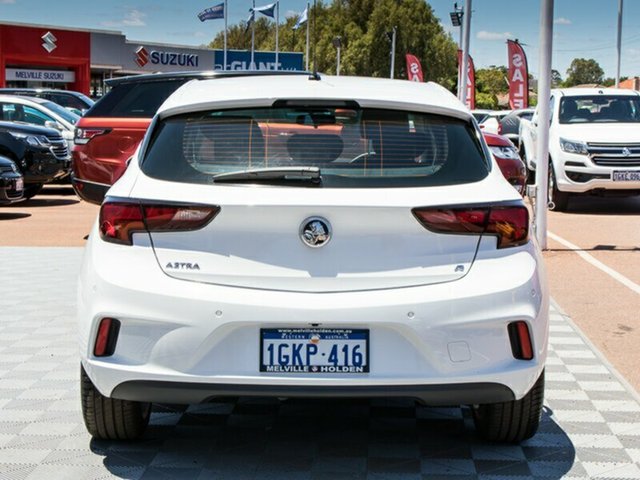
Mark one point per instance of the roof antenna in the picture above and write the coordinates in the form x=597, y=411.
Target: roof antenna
x=314, y=75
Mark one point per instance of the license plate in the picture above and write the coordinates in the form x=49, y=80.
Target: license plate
x=626, y=176
x=19, y=185
x=314, y=350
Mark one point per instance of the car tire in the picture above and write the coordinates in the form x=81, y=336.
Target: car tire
x=558, y=201
x=109, y=418
x=32, y=190
x=511, y=422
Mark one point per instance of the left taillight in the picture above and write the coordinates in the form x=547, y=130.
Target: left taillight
x=120, y=220
x=510, y=224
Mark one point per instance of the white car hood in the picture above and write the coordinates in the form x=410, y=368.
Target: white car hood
x=601, y=132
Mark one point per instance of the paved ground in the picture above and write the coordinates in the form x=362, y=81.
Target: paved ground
x=608, y=231
x=590, y=427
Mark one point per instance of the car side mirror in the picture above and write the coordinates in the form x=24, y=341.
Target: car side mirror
x=52, y=124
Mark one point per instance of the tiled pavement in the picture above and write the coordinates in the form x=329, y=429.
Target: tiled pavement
x=590, y=428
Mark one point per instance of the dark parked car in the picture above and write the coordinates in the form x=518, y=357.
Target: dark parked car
x=11, y=182
x=41, y=154
x=510, y=124
x=74, y=101
x=109, y=133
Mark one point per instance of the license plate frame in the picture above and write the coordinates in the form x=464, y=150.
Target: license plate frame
x=328, y=341
x=625, y=176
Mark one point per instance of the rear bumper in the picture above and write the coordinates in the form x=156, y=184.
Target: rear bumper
x=189, y=393
x=91, y=192
x=186, y=342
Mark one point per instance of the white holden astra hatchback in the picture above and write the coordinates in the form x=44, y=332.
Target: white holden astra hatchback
x=298, y=236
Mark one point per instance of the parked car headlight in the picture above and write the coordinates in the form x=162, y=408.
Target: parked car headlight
x=505, y=152
x=33, y=140
x=573, y=147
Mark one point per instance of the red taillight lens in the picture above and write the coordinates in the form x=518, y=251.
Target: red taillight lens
x=83, y=135
x=509, y=224
x=107, y=337
x=119, y=221
x=520, y=340
x=453, y=220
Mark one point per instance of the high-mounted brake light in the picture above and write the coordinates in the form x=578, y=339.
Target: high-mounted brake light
x=120, y=220
x=83, y=135
x=509, y=224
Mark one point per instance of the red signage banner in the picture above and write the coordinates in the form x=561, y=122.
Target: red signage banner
x=471, y=81
x=518, y=76
x=414, y=69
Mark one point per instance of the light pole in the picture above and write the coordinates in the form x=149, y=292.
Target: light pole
x=393, y=51
x=544, y=115
x=619, y=42
x=456, y=20
x=465, y=53
x=337, y=42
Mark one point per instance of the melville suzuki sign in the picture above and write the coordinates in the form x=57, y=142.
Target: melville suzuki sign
x=161, y=57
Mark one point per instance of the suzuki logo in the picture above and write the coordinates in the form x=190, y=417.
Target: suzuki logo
x=142, y=56
x=49, y=40
x=626, y=152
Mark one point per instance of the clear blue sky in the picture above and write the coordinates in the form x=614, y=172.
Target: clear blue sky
x=583, y=28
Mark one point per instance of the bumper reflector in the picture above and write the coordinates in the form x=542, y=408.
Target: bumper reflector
x=520, y=340
x=107, y=337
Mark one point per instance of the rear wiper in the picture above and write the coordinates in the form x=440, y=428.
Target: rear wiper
x=277, y=174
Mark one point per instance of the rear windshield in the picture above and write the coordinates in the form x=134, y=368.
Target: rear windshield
x=600, y=109
x=352, y=147
x=131, y=99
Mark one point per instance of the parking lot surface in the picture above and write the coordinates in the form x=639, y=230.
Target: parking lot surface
x=590, y=427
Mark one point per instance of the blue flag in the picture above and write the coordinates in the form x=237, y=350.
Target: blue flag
x=250, y=20
x=212, y=13
x=267, y=10
x=302, y=20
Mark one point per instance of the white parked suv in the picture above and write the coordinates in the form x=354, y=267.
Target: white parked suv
x=313, y=237
x=594, y=143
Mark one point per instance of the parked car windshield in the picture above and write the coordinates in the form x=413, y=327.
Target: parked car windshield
x=352, y=147
x=68, y=115
x=600, y=109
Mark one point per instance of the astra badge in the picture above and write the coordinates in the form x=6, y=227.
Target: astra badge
x=182, y=266
x=315, y=232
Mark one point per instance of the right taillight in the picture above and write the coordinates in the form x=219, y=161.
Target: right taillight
x=510, y=224
x=83, y=135
x=120, y=220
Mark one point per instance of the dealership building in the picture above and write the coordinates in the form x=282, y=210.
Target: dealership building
x=78, y=59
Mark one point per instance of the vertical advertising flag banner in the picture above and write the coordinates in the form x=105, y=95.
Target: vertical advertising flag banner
x=518, y=76
x=414, y=69
x=471, y=81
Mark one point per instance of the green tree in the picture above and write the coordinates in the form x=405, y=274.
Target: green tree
x=486, y=100
x=492, y=80
x=583, y=71
x=362, y=25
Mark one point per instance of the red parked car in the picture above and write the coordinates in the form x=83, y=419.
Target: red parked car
x=509, y=161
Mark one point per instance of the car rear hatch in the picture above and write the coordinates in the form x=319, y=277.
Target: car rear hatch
x=330, y=223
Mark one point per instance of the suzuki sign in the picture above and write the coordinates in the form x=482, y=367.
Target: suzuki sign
x=161, y=57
